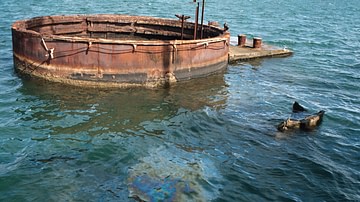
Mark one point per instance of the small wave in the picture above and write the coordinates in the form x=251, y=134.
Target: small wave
x=11, y=166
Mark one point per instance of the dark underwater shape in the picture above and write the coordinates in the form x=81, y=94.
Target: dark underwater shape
x=306, y=124
x=298, y=108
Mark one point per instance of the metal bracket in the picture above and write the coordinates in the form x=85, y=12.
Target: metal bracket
x=134, y=47
x=50, y=52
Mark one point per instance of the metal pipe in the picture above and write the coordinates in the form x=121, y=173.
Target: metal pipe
x=183, y=18
x=182, y=27
x=202, y=19
x=196, y=20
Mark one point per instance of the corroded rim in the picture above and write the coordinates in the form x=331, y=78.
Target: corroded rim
x=116, y=50
x=29, y=25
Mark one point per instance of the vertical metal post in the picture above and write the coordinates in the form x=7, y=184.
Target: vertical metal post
x=257, y=42
x=241, y=40
x=182, y=18
x=202, y=19
x=196, y=20
x=182, y=27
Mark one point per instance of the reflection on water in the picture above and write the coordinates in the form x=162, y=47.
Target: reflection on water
x=85, y=143
x=59, y=108
x=70, y=144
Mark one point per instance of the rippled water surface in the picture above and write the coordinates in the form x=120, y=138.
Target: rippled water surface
x=213, y=138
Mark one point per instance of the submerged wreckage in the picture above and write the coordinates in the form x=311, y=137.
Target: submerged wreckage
x=117, y=50
x=121, y=50
x=307, y=122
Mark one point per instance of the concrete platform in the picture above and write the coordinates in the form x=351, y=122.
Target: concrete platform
x=237, y=53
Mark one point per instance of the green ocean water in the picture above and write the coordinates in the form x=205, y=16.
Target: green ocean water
x=215, y=137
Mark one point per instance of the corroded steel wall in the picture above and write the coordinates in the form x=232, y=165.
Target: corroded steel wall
x=90, y=50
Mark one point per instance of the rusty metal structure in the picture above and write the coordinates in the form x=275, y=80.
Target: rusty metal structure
x=117, y=50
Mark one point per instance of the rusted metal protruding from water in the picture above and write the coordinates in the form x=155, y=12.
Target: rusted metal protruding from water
x=202, y=19
x=116, y=50
x=239, y=52
x=241, y=40
x=196, y=20
x=213, y=23
x=257, y=42
x=183, y=18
